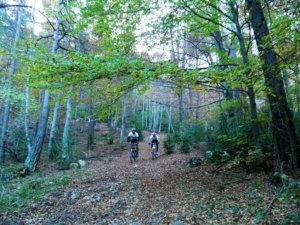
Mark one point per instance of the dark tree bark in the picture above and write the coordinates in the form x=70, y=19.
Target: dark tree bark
x=282, y=124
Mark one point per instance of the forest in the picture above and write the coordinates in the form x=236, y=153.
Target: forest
x=217, y=80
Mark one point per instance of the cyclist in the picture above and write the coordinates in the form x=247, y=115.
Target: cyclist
x=133, y=138
x=154, y=139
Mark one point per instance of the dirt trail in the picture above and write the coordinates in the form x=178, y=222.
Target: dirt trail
x=163, y=191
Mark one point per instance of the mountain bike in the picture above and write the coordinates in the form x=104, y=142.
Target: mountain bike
x=154, y=152
x=133, y=152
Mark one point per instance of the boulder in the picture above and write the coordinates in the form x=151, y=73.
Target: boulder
x=81, y=163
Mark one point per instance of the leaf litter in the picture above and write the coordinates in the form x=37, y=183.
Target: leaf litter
x=161, y=191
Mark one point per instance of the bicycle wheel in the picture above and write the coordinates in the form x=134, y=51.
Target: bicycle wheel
x=153, y=153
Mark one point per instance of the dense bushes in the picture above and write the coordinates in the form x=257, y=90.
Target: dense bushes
x=169, y=143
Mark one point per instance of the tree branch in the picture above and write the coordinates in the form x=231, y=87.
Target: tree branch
x=188, y=8
x=44, y=36
x=3, y=5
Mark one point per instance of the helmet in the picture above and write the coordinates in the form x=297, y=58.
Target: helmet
x=153, y=133
x=133, y=129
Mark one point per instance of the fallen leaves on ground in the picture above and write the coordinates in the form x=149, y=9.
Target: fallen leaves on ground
x=162, y=191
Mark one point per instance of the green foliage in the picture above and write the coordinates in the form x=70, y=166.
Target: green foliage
x=192, y=131
x=11, y=172
x=18, y=194
x=217, y=156
x=260, y=215
x=16, y=144
x=184, y=146
x=280, y=179
x=193, y=162
x=109, y=137
x=294, y=217
x=208, y=208
x=169, y=143
x=64, y=164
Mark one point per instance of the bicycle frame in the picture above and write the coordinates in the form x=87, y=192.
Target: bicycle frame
x=154, y=151
x=133, y=152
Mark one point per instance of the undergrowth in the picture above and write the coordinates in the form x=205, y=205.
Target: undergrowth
x=20, y=192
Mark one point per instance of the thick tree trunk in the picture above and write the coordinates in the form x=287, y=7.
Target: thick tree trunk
x=283, y=127
x=7, y=102
x=66, y=133
x=34, y=155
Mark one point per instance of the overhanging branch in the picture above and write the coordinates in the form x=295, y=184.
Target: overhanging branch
x=2, y=6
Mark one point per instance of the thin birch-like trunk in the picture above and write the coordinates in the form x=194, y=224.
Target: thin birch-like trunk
x=181, y=110
x=122, y=131
x=11, y=73
x=143, y=114
x=53, y=126
x=27, y=99
x=161, y=118
x=65, y=139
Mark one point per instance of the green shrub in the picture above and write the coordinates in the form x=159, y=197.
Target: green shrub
x=169, y=143
x=184, y=146
x=16, y=144
x=192, y=131
x=20, y=193
x=109, y=137
x=217, y=156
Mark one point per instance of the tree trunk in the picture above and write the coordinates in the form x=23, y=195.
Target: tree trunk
x=53, y=126
x=91, y=127
x=283, y=127
x=181, y=110
x=161, y=117
x=198, y=103
x=143, y=114
x=66, y=134
x=122, y=132
x=250, y=91
x=7, y=102
x=27, y=98
x=286, y=81
x=33, y=156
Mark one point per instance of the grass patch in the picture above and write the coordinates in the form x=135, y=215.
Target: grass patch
x=19, y=193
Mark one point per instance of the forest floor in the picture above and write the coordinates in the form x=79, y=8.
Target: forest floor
x=163, y=191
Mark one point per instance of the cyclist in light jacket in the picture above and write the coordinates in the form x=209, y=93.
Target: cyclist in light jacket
x=154, y=139
x=133, y=138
